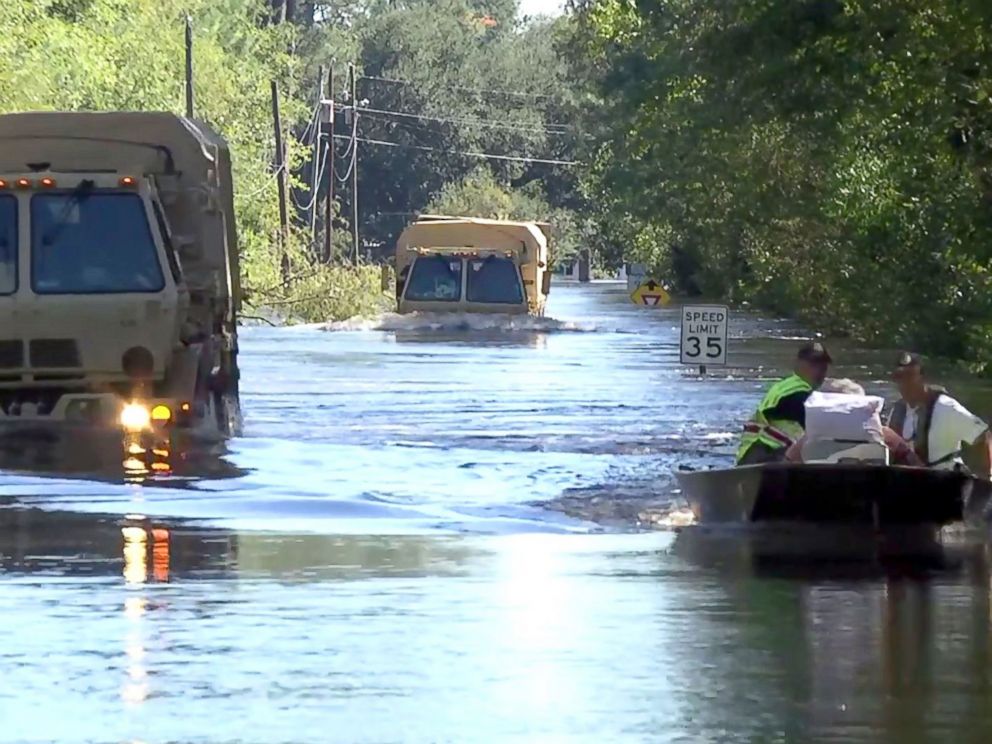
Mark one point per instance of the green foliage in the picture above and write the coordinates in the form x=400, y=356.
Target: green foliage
x=484, y=81
x=479, y=194
x=827, y=158
x=321, y=292
x=476, y=88
x=128, y=54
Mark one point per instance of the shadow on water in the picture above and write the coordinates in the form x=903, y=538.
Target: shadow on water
x=146, y=550
x=282, y=637
x=842, y=553
x=109, y=457
x=323, y=590
x=892, y=649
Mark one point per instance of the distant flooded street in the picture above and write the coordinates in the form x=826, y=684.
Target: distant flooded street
x=440, y=530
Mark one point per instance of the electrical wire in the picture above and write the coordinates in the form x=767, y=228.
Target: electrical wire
x=268, y=182
x=311, y=129
x=559, y=130
x=494, y=91
x=352, y=147
x=351, y=165
x=320, y=178
x=484, y=155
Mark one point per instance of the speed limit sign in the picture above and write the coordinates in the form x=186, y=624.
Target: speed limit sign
x=704, y=335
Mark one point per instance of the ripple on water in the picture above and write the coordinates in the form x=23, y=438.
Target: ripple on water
x=466, y=322
x=314, y=590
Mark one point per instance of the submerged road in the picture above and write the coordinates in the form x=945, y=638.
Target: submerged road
x=433, y=530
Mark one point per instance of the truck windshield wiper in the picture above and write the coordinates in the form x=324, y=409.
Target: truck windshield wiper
x=76, y=197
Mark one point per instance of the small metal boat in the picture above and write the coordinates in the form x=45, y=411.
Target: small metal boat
x=852, y=494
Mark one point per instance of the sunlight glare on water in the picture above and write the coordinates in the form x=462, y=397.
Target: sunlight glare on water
x=426, y=535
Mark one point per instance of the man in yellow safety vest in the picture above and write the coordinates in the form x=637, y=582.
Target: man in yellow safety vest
x=780, y=418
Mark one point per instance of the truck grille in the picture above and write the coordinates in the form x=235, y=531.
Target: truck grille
x=54, y=352
x=11, y=354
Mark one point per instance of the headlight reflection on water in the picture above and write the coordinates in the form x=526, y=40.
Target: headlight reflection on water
x=135, y=555
x=136, y=551
x=136, y=548
x=135, y=689
x=143, y=460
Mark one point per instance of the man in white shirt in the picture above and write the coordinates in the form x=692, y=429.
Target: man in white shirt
x=933, y=422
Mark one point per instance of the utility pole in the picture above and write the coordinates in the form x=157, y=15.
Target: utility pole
x=329, y=197
x=354, y=160
x=315, y=168
x=189, y=67
x=280, y=178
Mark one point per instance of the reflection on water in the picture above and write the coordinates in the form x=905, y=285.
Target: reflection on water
x=106, y=455
x=455, y=422
x=195, y=634
x=376, y=559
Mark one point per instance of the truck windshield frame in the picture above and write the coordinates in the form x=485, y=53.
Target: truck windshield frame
x=9, y=244
x=493, y=280
x=424, y=281
x=95, y=242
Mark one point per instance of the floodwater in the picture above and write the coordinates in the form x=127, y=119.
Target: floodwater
x=442, y=530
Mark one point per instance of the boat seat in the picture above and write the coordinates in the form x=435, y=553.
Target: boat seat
x=833, y=451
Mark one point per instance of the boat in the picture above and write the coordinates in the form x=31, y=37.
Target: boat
x=866, y=494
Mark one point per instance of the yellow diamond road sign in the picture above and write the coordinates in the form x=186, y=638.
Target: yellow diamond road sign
x=651, y=294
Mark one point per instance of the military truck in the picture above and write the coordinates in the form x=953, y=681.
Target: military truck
x=466, y=264
x=119, y=277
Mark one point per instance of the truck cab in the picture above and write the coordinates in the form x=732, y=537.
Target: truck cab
x=118, y=274
x=462, y=264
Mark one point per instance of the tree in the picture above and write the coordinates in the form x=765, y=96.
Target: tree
x=479, y=194
x=825, y=158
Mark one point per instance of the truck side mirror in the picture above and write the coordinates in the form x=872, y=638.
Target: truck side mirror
x=546, y=283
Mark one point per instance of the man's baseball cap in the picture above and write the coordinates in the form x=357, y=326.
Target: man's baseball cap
x=815, y=352
x=907, y=361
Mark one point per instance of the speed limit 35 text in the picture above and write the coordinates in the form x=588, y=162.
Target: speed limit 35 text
x=704, y=322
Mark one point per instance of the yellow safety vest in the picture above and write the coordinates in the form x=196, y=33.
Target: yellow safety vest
x=774, y=433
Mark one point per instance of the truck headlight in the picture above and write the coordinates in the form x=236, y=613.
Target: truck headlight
x=135, y=417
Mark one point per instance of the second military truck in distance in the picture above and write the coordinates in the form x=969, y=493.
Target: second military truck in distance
x=465, y=264
x=119, y=278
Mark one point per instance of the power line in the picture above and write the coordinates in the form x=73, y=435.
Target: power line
x=494, y=91
x=308, y=134
x=484, y=155
x=269, y=179
x=347, y=151
x=352, y=149
x=559, y=130
x=320, y=177
x=353, y=140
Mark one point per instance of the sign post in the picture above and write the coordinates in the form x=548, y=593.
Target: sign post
x=636, y=274
x=704, y=336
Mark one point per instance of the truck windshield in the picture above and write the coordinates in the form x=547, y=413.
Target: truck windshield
x=435, y=279
x=494, y=280
x=8, y=244
x=91, y=243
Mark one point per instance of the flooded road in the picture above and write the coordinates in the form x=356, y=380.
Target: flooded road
x=432, y=531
